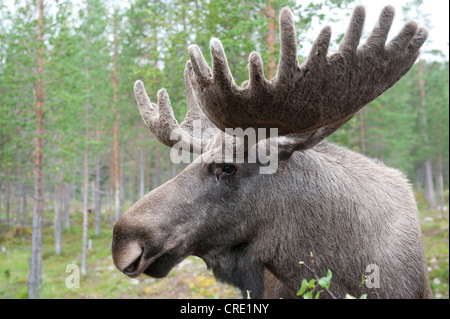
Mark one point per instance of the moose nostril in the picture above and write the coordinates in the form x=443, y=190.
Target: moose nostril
x=133, y=267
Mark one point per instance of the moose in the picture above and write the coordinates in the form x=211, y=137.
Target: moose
x=253, y=229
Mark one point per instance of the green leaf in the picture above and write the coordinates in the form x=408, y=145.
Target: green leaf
x=308, y=295
x=329, y=274
x=318, y=294
x=303, y=287
x=363, y=296
x=363, y=280
x=347, y=296
x=325, y=282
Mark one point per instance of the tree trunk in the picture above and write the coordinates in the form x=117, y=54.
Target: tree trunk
x=86, y=160
x=19, y=185
x=116, y=170
x=112, y=179
x=18, y=206
x=439, y=177
x=271, y=39
x=440, y=182
x=24, y=204
x=8, y=198
x=419, y=178
x=85, y=195
x=1, y=201
x=116, y=124
x=35, y=276
x=67, y=199
x=98, y=199
x=429, y=186
x=58, y=213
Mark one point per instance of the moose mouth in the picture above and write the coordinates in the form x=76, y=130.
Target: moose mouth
x=157, y=266
x=161, y=266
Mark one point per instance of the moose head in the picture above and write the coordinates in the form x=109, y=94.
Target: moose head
x=252, y=229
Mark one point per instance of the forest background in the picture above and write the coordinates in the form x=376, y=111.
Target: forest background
x=75, y=153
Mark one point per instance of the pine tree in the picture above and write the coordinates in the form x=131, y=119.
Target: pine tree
x=414, y=8
x=92, y=31
x=35, y=278
x=115, y=83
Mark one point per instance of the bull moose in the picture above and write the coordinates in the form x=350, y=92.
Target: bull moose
x=252, y=229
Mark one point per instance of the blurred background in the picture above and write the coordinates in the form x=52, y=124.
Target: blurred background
x=75, y=153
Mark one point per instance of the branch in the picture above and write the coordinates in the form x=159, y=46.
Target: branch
x=312, y=270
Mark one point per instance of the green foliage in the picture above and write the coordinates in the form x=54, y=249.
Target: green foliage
x=153, y=37
x=308, y=288
x=325, y=282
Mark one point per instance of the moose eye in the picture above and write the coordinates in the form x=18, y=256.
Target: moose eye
x=229, y=169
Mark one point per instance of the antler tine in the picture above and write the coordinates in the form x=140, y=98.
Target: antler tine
x=194, y=112
x=319, y=49
x=199, y=66
x=350, y=42
x=221, y=70
x=379, y=34
x=161, y=121
x=322, y=92
x=288, y=62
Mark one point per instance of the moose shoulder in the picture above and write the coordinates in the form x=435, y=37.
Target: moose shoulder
x=252, y=229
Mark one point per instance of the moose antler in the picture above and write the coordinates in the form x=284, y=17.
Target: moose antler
x=318, y=96
x=161, y=120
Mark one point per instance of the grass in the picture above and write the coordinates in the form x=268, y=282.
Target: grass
x=189, y=279
x=435, y=231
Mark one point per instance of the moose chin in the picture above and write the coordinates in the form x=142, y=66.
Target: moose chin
x=252, y=229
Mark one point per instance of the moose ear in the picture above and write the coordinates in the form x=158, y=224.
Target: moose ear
x=274, y=152
x=286, y=147
x=303, y=141
x=288, y=144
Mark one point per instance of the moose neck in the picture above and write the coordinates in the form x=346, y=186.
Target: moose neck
x=314, y=204
x=237, y=266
